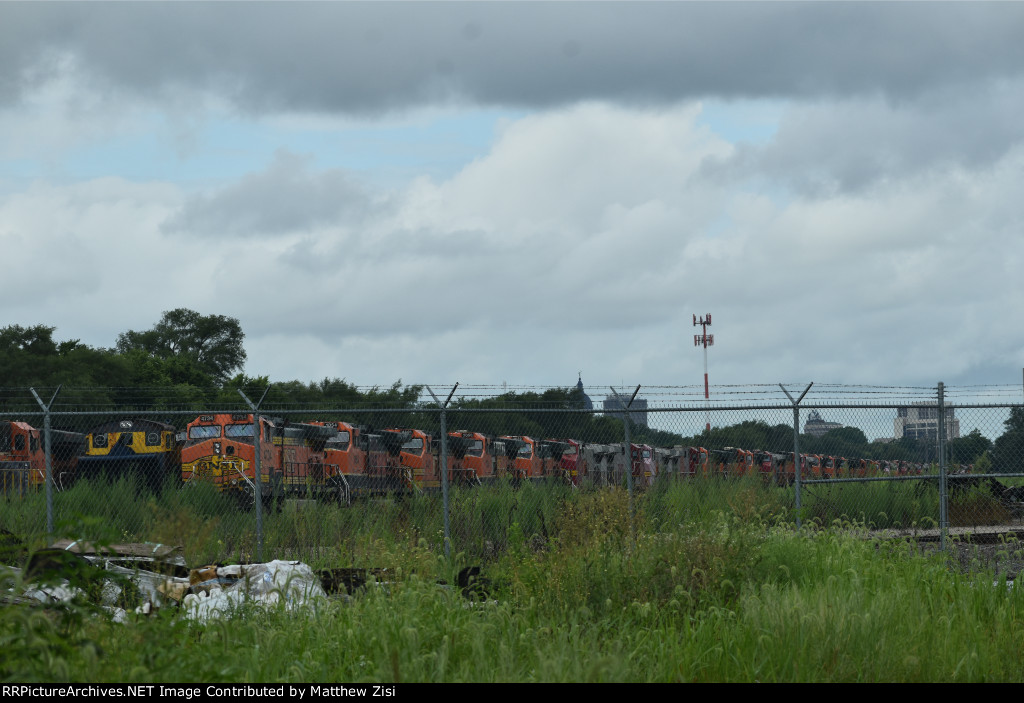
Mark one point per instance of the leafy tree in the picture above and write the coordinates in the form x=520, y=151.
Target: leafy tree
x=203, y=348
x=29, y=357
x=983, y=465
x=1015, y=423
x=1008, y=452
x=749, y=434
x=534, y=422
x=36, y=340
x=968, y=449
x=847, y=435
x=842, y=441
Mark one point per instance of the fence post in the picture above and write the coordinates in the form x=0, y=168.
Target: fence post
x=943, y=492
x=629, y=453
x=444, y=470
x=796, y=447
x=258, y=469
x=48, y=456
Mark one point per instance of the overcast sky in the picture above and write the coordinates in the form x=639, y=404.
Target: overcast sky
x=521, y=192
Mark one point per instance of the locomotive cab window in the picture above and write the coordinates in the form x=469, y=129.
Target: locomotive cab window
x=19, y=442
x=413, y=446
x=238, y=430
x=203, y=431
x=341, y=441
x=476, y=448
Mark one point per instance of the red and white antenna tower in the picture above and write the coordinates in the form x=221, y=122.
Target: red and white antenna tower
x=706, y=340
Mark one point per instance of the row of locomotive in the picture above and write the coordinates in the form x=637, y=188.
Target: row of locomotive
x=300, y=458
x=348, y=460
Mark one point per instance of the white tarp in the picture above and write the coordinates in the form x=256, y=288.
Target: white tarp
x=212, y=592
x=290, y=582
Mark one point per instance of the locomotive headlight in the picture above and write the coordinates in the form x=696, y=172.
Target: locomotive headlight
x=216, y=447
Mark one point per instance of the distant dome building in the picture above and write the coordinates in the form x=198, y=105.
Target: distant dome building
x=816, y=427
x=588, y=404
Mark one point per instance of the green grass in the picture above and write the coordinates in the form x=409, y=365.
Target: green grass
x=878, y=505
x=214, y=527
x=722, y=589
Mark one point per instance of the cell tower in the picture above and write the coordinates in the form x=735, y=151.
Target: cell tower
x=706, y=340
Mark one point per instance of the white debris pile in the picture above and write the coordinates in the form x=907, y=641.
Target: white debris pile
x=221, y=591
x=155, y=576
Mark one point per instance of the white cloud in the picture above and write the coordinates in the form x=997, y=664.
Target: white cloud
x=284, y=198
x=583, y=240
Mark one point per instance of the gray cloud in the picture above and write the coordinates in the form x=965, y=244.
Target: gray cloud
x=592, y=232
x=855, y=144
x=876, y=224
x=372, y=57
x=286, y=197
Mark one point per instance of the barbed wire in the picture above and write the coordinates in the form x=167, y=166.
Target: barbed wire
x=14, y=399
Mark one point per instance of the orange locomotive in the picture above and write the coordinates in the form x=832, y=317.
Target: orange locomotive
x=474, y=457
x=420, y=461
x=23, y=459
x=399, y=460
x=553, y=454
x=395, y=460
x=526, y=459
x=346, y=451
x=361, y=463
x=221, y=448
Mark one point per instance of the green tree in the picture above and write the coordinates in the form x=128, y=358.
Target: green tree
x=29, y=357
x=968, y=449
x=1008, y=452
x=200, y=348
x=36, y=340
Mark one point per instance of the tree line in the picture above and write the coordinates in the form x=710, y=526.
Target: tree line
x=185, y=359
x=194, y=360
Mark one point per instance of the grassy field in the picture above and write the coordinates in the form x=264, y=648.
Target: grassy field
x=701, y=583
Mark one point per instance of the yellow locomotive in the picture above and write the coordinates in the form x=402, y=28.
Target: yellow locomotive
x=144, y=448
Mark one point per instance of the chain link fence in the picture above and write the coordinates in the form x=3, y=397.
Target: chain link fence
x=266, y=478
